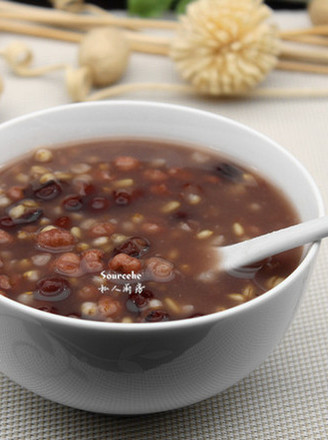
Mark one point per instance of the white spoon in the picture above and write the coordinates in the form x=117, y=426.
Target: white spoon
x=240, y=255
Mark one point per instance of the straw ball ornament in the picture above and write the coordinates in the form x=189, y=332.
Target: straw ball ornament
x=224, y=47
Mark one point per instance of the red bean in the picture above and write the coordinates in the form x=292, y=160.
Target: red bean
x=64, y=222
x=55, y=240
x=212, y=179
x=104, y=229
x=68, y=264
x=91, y=261
x=158, y=269
x=109, y=306
x=88, y=292
x=5, y=283
x=5, y=238
x=151, y=228
x=124, y=263
x=16, y=193
x=189, y=189
x=126, y=163
x=180, y=215
x=155, y=175
x=160, y=189
x=180, y=173
x=85, y=189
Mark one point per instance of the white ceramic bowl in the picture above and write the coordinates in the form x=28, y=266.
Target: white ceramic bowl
x=140, y=368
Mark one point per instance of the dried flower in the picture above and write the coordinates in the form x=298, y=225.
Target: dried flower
x=225, y=47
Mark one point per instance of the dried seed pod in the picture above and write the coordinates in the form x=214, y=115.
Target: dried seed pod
x=318, y=11
x=68, y=5
x=105, y=52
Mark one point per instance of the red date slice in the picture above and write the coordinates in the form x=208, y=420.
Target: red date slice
x=157, y=316
x=49, y=309
x=135, y=247
x=73, y=203
x=85, y=189
x=229, y=171
x=29, y=216
x=49, y=191
x=122, y=197
x=99, y=203
x=137, y=302
x=7, y=222
x=52, y=289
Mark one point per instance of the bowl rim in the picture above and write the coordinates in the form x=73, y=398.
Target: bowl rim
x=180, y=323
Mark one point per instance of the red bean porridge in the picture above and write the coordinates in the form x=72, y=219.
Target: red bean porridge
x=123, y=230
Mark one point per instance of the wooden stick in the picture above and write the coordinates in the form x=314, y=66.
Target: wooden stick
x=308, y=39
x=138, y=42
x=113, y=91
x=121, y=89
x=314, y=30
x=17, y=27
x=68, y=19
x=148, y=44
x=302, y=67
x=143, y=43
x=289, y=93
x=304, y=55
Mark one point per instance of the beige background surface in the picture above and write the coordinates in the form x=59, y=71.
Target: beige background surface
x=287, y=396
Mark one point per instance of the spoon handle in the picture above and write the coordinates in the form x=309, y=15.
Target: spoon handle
x=258, y=248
